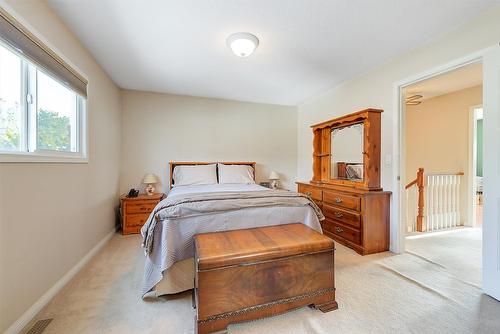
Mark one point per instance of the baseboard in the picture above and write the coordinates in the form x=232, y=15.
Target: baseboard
x=26, y=318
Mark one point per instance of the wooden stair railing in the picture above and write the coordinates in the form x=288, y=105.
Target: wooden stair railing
x=435, y=201
x=419, y=181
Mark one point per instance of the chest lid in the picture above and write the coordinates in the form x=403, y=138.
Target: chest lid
x=221, y=249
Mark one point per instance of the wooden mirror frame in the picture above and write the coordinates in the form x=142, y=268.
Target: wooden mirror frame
x=371, y=119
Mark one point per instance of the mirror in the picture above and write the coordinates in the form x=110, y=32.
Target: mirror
x=346, y=147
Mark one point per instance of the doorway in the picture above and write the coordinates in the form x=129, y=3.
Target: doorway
x=443, y=192
x=490, y=58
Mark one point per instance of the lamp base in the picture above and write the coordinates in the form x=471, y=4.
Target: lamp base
x=150, y=190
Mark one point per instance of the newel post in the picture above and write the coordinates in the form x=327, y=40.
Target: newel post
x=420, y=185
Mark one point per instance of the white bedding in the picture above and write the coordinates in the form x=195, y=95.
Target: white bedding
x=174, y=237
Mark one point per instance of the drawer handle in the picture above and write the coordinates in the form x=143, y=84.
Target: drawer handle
x=338, y=214
x=338, y=200
x=339, y=230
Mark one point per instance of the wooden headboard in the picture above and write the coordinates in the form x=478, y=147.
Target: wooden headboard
x=173, y=164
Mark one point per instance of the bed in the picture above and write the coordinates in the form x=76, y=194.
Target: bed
x=191, y=209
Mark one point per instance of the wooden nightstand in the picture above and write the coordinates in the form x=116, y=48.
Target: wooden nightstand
x=135, y=211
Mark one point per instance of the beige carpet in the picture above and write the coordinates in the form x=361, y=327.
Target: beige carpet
x=458, y=251
x=376, y=294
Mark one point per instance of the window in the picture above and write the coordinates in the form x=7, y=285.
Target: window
x=41, y=118
x=10, y=101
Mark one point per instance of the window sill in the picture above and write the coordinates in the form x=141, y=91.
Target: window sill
x=59, y=157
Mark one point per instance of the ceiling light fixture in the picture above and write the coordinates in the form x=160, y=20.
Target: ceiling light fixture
x=243, y=44
x=413, y=100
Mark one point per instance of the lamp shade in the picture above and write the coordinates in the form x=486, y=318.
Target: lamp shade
x=150, y=178
x=274, y=176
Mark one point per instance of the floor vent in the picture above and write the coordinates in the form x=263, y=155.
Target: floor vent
x=39, y=326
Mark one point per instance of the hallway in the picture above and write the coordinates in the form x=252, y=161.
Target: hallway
x=457, y=251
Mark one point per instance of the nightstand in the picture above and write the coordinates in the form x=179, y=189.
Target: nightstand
x=135, y=211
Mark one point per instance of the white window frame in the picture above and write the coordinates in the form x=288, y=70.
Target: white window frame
x=29, y=119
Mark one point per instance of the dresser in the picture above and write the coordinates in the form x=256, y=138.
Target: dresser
x=346, y=181
x=356, y=219
x=136, y=210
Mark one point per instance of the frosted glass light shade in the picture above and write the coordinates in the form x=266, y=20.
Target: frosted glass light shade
x=274, y=176
x=150, y=178
x=242, y=44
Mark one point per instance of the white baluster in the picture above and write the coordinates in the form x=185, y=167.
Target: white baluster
x=448, y=201
x=445, y=201
x=452, y=200
x=457, y=199
x=408, y=222
x=432, y=203
x=438, y=202
x=415, y=206
x=413, y=216
x=426, y=203
x=410, y=209
x=446, y=186
x=432, y=199
x=441, y=202
x=449, y=186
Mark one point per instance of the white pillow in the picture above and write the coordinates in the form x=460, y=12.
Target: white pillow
x=241, y=174
x=194, y=175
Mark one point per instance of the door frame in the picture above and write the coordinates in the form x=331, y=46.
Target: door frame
x=472, y=163
x=398, y=223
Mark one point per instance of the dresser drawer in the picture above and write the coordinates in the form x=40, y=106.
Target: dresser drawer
x=339, y=199
x=347, y=217
x=136, y=210
x=315, y=193
x=342, y=231
x=136, y=220
x=140, y=207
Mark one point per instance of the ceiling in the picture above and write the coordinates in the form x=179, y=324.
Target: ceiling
x=306, y=46
x=462, y=78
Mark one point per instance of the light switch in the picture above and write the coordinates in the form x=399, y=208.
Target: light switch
x=388, y=159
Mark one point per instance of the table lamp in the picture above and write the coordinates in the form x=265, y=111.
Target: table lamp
x=274, y=178
x=150, y=180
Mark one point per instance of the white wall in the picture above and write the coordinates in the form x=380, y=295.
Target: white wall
x=376, y=89
x=158, y=128
x=437, y=137
x=51, y=215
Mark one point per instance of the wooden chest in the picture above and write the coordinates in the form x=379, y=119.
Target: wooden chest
x=356, y=218
x=253, y=273
x=135, y=211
